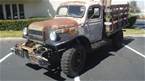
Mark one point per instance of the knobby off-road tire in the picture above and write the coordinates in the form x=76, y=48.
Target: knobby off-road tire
x=117, y=39
x=73, y=61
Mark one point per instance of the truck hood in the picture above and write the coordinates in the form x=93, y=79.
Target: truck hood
x=56, y=23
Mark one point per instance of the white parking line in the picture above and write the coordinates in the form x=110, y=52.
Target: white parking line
x=5, y=57
x=134, y=50
x=77, y=78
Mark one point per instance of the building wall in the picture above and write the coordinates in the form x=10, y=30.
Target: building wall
x=35, y=8
x=30, y=7
x=51, y=5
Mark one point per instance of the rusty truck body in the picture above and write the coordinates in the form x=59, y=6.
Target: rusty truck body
x=64, y=41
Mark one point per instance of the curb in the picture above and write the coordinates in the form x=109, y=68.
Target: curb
x=134, y=35
x=12, y=38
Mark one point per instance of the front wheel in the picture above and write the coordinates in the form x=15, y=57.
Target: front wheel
x=73, y=61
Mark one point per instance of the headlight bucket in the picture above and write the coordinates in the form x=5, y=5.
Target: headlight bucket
x=53, y=36
x=25, y=31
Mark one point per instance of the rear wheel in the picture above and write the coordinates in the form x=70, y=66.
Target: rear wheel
x=117, y=39
x=73, y=61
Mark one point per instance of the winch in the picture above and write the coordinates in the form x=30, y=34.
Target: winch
x=36, y=53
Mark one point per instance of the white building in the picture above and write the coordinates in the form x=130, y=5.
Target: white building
x=19, y=9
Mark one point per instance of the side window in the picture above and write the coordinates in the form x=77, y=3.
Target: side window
x=8, y=11
x=21, y=11
x=93, y=12
x=14, y=9
x=1, y=12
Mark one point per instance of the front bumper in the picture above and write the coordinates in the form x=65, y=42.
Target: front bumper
x=29, y=51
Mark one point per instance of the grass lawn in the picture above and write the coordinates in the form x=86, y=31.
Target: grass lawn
x=10, y=34
x=4, y=34
x=134, y=32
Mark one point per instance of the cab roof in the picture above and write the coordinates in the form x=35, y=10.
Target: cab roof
x=79, y=3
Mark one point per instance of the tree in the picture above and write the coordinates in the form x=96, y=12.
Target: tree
x=134, y=7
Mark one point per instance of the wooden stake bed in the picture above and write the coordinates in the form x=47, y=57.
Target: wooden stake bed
x=117, y=15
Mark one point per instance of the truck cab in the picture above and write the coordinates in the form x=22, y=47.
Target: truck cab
x=89, y=16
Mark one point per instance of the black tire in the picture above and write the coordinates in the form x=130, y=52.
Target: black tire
x=117, y=40
x=73, y=61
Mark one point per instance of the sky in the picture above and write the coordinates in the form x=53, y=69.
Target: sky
x=140, y=3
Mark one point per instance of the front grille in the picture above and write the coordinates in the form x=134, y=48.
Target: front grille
x=35, y=32
x=35, y=35
x=37, y=38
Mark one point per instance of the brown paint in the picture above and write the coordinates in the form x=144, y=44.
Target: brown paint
x=55, y=23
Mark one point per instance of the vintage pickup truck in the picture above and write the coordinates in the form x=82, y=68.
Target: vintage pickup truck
x=64, y=41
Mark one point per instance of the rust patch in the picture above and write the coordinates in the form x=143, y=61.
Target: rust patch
x=71, y=31
x=54, y=23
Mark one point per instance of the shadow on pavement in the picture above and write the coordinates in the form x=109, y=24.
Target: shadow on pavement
x=50, y=73
x=98, y=55
x=55, y=75
x=33, y=66
x=128, y=40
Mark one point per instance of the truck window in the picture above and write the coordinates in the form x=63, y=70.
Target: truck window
x=63, y=11
x=93, y=12
x=71, y=11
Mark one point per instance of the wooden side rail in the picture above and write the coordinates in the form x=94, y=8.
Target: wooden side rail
x=117, y=15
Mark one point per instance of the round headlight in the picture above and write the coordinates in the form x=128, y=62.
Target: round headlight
x=53, y=36
x=25, y=31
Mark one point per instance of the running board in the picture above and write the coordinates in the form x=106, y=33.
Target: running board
x=99, y=44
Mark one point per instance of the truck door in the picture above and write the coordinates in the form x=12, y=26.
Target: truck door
x=94, y=23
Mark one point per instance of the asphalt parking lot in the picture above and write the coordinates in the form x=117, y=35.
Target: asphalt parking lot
x=104, y=64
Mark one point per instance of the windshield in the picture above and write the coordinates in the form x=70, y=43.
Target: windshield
x=71, y=11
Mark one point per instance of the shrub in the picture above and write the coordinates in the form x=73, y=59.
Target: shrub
x=131, y=21
x=16, y=24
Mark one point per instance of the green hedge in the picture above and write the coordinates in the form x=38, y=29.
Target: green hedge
x=132, y=20
x=16, y=24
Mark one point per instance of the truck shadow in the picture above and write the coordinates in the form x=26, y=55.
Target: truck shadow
x=56, y=75
x=93, y=59
x=98, y=55
x=128, y=40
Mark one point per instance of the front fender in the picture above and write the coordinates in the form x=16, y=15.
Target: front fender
x=63, y=39
x=67, y=41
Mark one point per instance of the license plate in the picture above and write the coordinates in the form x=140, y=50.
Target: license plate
x=20, y=53
x=25, y=53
